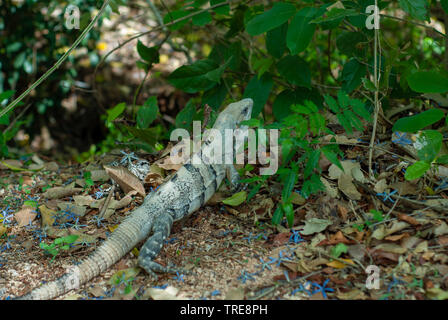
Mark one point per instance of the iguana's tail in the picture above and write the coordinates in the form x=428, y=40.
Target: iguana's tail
x=121, y=241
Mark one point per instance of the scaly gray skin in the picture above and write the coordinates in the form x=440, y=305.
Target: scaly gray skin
x=189, y=189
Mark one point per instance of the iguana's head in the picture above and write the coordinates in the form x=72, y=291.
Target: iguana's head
x=234, y=114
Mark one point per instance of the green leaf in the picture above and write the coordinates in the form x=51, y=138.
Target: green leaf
x=444, y=4
x=332, y=156
x=113, y=113
x=253, y=191
x=258, y=90
x=443, y=159
x=199, y=3
x=416, y=170
x=288, y=184
x=368, y=84
x=224, y=51
x=312, y=185
x=350, y=43
x=237, y=21
x=377, y=215
x=418, y=121
x=224, y=10
x=282, y=104
x=199, y=76
x=215, y=96
x=277, y=216
x=295, y=70
x=354, y=121
x=428, y=82
x=345, y=122
x=147, y=113
x=339, y=249
x=359, y=108
x=428, y=144
x=174, y=15
x=149, y=54
x=276, y=40
x=300, y=31
x=352, y=74
x=70, y=239
x=332, y=104
x=5, y=95
x=334, y=15
x=88, y=179
x=202, y=19
x=312, y=163
x=114, y=6
x=416, y=8
x=271, y=19
x=236, y=199
x=184, y=118
x=149, y=135
x=288, y=209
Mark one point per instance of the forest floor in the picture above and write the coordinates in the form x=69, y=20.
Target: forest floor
x=231, y=252
x=342, y=240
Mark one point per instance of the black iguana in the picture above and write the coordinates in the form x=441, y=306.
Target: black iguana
x=187, y=190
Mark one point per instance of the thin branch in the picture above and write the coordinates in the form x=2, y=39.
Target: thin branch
x=58, y=63
x=376, y=101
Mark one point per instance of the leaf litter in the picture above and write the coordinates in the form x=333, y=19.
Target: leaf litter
x=229, y=247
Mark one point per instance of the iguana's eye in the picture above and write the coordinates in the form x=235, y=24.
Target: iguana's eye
x=245, y=110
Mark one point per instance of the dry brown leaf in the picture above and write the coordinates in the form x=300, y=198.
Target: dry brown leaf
x=99, y=175
x=83, y=200
x=154, y=179
x=80, y=211
x=332, y=192
x=343, y=212
x=357, y=251
x=48, y=216
x=391, y=247
x=443, y=240
x=408, y=219
x=125, y=201
x=96, y=291
x=346, y=185
x=378, y=254
x=380, y=186
x=397, y=237
x=441, y=229
x=351, y=168
x=60, y=192
x=167, y=164
x=3, y=229
x=125, y=179
x=335, y=239
x=26, y=215
x=404, y=188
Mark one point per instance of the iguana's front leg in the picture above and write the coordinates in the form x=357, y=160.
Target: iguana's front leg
x=152, y=246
